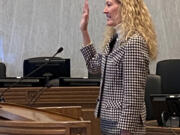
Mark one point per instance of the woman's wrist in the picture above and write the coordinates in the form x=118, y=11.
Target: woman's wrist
x=86, y=38
x=90, y=43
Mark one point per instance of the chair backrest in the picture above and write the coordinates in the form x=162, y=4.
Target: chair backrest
x=169, y=70
x=2, y=70
x=153, y=86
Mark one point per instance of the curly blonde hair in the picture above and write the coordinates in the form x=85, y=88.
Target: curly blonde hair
x=135, y=18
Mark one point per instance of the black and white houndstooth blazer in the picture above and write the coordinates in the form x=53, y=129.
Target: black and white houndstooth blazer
x=122, y=100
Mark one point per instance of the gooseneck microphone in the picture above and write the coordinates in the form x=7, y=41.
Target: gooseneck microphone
x=2, y=99
x=58, y=51
x=48, y=60
x=34, y=99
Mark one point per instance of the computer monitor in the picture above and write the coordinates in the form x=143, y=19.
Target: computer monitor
x=169, y=103
x=56, y=67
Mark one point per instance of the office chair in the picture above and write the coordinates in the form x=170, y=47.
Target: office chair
x=153, y=86
x=169, y=70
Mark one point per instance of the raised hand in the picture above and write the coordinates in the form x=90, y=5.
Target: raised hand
x=84, y=24
x=85, y=17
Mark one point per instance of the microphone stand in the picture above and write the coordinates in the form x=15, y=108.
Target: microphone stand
x=2, y=99
x=41, y=91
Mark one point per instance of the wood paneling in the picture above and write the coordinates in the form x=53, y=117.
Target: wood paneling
x=55, y=96
x=22, y=120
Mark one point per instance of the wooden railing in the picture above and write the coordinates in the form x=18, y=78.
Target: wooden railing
x=54, y=96
x=21, y=120
x=57, y=97
x=76, y=102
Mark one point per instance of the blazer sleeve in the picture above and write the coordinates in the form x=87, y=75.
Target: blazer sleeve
x=135, y=69
x=92, y=59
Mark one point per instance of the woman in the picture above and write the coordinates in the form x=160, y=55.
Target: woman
x=130, y=43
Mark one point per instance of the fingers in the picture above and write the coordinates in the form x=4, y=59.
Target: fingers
x=85, y=16
x=86, y=7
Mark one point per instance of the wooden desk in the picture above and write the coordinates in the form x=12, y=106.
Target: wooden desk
x=54, y=96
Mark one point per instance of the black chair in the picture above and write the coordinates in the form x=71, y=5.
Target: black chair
x=153, y=86
x=2, y=70
x=169, y=70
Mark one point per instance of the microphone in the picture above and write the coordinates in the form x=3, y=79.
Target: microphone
x=2, y=99
x=58, y=51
